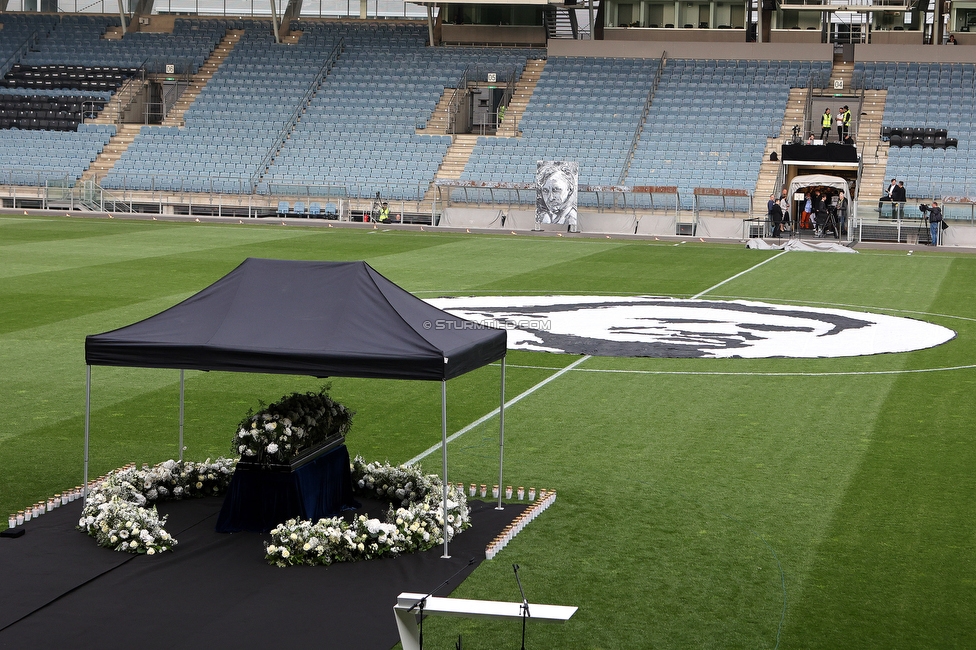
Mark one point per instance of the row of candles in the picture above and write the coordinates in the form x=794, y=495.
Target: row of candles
x=474, y=491
x=61, y=499
x=39, y=508
x=546, y=499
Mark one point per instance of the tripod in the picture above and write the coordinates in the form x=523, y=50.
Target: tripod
x=524, y=607
x=830, y=222
x=374, y=211
x=420, y=604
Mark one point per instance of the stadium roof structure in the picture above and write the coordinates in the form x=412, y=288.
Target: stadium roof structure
x=305, y=318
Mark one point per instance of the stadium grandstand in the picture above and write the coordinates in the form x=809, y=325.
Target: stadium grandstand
x=688, y=114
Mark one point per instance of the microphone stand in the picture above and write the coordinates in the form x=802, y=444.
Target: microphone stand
x=423, y=601
x=524, y=607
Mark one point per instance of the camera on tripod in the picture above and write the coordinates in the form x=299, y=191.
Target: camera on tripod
x=923, y=208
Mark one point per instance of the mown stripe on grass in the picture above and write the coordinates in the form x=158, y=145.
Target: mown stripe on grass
x=895, y=567
x=484, y=418
x=64, y=254
x=44, y=367
x=470, y=263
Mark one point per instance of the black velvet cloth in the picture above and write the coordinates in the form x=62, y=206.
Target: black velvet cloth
x=213, y=591
x=830, y=152
x=258, y=500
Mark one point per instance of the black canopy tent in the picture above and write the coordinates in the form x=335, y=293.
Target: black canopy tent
x=305, y=318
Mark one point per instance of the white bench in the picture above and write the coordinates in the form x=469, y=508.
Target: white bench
x=436, y=606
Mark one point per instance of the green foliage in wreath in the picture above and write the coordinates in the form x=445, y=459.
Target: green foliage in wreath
x=280, y=431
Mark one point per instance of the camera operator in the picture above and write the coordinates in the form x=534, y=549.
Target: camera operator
x=935, y=220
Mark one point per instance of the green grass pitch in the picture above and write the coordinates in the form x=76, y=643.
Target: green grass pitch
x=822, y=503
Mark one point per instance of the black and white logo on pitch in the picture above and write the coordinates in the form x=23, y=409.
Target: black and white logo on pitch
x=669, y=327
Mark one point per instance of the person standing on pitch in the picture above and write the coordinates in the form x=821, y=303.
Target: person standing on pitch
x=935, y=222
x=898, y=198
x=842, y=207
x=775, y=214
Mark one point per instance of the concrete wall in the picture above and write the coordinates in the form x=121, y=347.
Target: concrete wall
x=915, y=53
x=696, y=50
x=672, y=34
x=795, y=35
x=896, y=37
x=494, y=35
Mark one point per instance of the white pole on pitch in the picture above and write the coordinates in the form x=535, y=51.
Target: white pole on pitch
x=444, y=459
x=87, y=423
x=501, y=439
x=181, y=414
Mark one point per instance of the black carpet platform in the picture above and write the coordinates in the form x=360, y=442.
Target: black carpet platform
x=215, y=590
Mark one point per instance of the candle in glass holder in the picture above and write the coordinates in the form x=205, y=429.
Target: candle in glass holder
x=27, y=514
x=12, y=521
x=531, y=494
x=508, y=491
x=20, y=518
x=494, y=492
x=472, y=490
x=484, y=490
x=63, y=497
x=521, y=493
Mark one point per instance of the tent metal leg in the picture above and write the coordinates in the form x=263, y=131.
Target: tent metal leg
x=501, y=440
x=181, y=415
x=444, y=458
x=87, y=424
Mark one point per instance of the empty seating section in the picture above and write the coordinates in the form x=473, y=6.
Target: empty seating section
x=76, y=77
x=583, y=109
x=53, y=111
x=37, y=157
x=359, y=131
x=706, y=126
x=934, y=97
x=709, y=120
x=77, y=39
x=231, y=125
x=18, y=33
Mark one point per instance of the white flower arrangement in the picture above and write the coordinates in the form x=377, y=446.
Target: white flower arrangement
x=280, y=431
x=416, y=525
x=115, y=513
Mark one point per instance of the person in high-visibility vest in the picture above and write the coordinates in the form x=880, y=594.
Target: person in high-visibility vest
x=501, y=114
x=825, y=125
x=385, y=213
x=847, y=123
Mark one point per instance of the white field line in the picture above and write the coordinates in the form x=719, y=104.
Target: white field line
x=751, y=268
x=560, y=373
x=841, y=373
x=488, y=416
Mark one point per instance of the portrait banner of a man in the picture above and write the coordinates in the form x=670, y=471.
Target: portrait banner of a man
x=556, y=183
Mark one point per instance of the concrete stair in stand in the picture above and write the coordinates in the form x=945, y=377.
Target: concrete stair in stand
x=111, y=153
x=874, y=152
x=521, y=97
x=769, y=169
x=454, y=161
x=203, y=75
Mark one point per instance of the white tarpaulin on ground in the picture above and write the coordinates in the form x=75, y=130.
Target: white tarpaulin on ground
x=801, y=246
x=651, y=326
